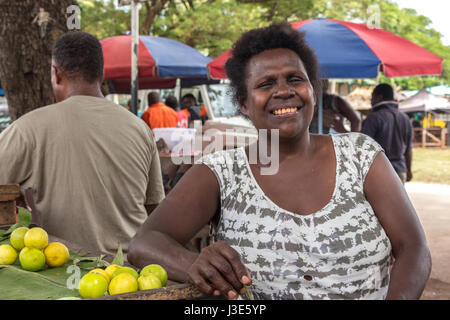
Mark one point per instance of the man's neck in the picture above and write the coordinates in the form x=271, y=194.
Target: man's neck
x=385, y=102
x=85, y=89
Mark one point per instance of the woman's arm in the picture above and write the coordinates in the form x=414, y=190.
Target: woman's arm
x=185, y=210
x=388, y=198
x=348, y=112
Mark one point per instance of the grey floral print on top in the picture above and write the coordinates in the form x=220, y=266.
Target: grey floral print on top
x=338, y=252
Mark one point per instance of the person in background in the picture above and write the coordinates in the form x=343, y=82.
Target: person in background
x=128, y=106
x=158, y=115
x=92, y=165
x=392, y=129
x=335, y=110
x=190, y=107
x=325, y=225
x=183, y=118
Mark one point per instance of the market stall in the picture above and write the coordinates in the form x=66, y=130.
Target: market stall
x=50, y=283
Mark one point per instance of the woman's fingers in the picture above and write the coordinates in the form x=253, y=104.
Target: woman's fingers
x=241, y=272
x=227, y=272
x=218, y=268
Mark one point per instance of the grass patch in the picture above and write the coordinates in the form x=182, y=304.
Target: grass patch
x=431, y=165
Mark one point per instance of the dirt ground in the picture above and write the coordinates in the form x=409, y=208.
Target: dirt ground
x=432, y=203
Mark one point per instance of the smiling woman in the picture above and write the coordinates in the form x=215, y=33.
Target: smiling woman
x=324, y=226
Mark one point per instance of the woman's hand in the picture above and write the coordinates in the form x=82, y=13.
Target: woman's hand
x=219, y=270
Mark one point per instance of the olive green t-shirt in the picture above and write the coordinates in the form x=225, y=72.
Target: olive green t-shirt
x=92, y=165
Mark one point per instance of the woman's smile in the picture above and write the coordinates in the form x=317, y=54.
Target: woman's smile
x=285, y=111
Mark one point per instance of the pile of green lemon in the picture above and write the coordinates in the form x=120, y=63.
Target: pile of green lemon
x=117, y=279
x=34, y=250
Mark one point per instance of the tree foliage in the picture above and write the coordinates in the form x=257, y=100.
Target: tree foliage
x=212, y=26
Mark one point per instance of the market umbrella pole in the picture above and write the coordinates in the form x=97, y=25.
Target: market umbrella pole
x=134, y=55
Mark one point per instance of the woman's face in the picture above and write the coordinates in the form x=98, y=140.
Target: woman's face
x=279, y=94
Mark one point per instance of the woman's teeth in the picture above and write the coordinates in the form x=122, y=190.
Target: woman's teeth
x=284, y=111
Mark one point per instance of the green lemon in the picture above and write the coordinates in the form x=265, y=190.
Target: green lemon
x=157, y=270
x=125, y=270
x=102, y=272
x=149, y=281
x=123, y=283
x=92, y=285
x=7, y=254
x=36, y=238
x=31, y=259
x=17, y=236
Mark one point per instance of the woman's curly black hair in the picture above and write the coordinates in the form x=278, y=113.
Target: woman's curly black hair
x=253, y=42
x=79, y=54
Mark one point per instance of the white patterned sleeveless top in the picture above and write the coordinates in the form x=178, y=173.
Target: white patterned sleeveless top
x=338, y=252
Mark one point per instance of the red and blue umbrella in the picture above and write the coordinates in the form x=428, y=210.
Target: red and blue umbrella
x=352, y=50
x=160, y=62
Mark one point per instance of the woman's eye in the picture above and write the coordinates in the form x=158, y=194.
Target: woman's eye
x=296, y=79
x=264, y=84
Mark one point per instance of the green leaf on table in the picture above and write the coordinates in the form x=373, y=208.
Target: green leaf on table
x=89, y=263
x=118, y=259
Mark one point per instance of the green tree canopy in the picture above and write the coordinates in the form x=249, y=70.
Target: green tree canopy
x=212, y=26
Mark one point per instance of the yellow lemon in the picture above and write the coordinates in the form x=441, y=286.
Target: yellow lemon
x=17, y=236
x=149, y=281
x=123, y=283
x=102, y=272
x=92, y=285
x=157, y=270
x=56, y=254
x=110, y=269
x=7, y=254
x=36, y=238
x=31, y=259
x=125, y=270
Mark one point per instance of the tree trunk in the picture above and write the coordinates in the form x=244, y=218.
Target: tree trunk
x=152, y=10
x=25, y=51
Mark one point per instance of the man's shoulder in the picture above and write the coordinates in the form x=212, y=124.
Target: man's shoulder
x=40, y=113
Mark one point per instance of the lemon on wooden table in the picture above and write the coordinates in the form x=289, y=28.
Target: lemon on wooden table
x=101, y=272
x=92, y=285
x=56, y=254
x=157, y=270
x=110, y=269
x=123, y=283
x=121, y=270
x=36, y=238
x=31, y=259
x=8, y=255
x=17, y=236
x=149, y=281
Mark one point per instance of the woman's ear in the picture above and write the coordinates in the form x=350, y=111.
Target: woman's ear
x=244, y=109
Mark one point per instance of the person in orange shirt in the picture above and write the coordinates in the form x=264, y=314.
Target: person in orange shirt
x=158, y=115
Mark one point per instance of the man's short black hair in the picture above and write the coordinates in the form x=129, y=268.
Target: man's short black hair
x=385, y=91
x=189, y=95
x=253, y=42
x=171, y=101
x=79, y=54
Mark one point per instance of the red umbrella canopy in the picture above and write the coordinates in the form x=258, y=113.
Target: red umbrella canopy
x=158, y=57
x=352, y=50
x=161, y=62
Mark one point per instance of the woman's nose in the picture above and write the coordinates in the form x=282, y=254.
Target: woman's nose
x=283, y=90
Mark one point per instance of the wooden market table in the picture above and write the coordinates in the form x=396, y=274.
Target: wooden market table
x=9, y=194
